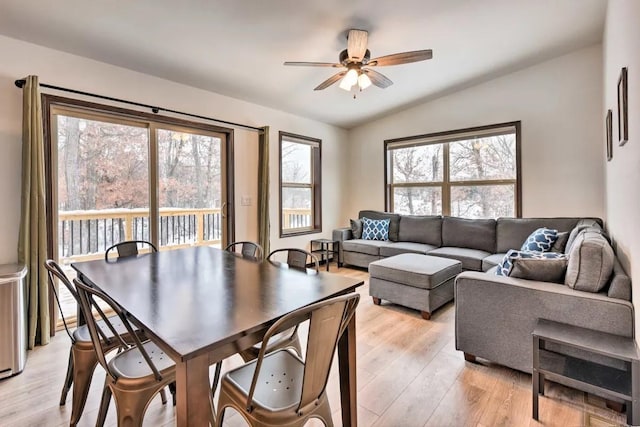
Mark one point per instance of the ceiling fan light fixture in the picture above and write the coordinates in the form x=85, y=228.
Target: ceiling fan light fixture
x=363, y=81
x=350, y=79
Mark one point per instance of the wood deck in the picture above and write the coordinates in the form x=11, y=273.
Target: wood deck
x=409, y=374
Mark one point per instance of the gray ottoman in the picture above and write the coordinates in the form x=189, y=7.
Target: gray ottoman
x=421, y=282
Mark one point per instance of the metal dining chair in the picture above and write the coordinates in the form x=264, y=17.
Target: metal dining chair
x=280, y=388
x=128, y=248
x=248, y=249
x=82, y=357
x=296, y=259
x=136, y=374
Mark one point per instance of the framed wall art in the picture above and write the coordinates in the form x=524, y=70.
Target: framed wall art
x=623, y=103
x=609, y=130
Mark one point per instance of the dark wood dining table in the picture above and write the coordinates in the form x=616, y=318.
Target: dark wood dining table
x=202, y=305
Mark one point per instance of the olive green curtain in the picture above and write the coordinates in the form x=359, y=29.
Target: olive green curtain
x=32, y=242
x=263, y=190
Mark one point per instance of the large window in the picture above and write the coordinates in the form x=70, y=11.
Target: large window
x=300, y=193
x=471, y=173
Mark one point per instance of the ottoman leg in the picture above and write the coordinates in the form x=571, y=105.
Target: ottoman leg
x=425, y=315
x=377, y=301
x=469, y=358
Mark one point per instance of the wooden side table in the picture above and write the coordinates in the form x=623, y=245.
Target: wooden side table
x=324, y=247
x=585, y=375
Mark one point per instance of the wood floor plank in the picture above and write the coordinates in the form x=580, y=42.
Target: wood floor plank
x=409, y=374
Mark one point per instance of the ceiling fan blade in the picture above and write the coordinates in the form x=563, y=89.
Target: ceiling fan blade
x=357, y=44
x=331, y=80
x=377, y=79
x=401, y=58
x=313, y=64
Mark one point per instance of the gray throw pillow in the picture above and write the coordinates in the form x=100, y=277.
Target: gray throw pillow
x=561, y=242
x=591, y=261
x=572, y=237
x=541, y=270
x=356, y=228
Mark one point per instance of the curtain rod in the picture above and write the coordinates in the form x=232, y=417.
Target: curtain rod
x=20, y=83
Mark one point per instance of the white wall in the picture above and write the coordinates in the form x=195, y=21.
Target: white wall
x=622, y=49
x=57, y=68
x=558, y=102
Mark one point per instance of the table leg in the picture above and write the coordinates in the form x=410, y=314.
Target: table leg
x=535, y=376
x=326, y=254
x=193, y=406
x=633, y=407
x=347, y=367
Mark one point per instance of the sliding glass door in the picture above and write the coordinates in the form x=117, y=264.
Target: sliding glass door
x=116, y=178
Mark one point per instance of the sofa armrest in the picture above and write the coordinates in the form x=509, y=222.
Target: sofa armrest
x=341, y=234
x=495, y=315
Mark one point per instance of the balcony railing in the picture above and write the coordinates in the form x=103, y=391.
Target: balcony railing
x=86, y=235
x=296, y=218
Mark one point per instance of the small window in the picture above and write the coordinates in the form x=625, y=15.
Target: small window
x=472, y=173
x=300, y=191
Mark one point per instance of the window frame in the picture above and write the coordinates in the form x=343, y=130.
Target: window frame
x=315, y=184
x=446, y=185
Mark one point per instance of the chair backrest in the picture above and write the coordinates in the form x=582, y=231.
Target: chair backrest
x=247, y=249
x=55, y=272
x=88, y=295
x=128, y=248
x=298, y=259
x=327, y=321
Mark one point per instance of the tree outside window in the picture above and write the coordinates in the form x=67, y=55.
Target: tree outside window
x=300, y=194
x=471, y=173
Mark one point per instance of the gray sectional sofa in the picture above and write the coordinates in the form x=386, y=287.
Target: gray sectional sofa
x=495, y=315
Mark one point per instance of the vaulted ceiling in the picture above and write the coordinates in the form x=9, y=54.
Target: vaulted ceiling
x=236, y=48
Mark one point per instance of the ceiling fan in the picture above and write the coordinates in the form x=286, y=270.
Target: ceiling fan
x=356, y=57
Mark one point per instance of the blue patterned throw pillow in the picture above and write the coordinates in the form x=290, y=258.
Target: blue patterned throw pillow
x=541, y=240
x=375, y=229
x=504, y=268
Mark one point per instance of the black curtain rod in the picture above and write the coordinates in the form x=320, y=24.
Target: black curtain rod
x=20, y=83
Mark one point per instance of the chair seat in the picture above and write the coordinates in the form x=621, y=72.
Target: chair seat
x=130, y=363
x=279, y=385
x=81, y=334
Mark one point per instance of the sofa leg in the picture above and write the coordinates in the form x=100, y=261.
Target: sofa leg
x=616, y=406
x=377, y=301
x=425, y=315
x=469, y=358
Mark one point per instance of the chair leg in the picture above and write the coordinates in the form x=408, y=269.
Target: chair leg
x=104, y=404
x=68, y=381
x=220, y=417
x=172, y=390
x=84, y=363
x=163, y=396
x=324, y=412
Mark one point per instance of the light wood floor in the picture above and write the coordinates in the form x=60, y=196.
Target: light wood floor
x=409, y=374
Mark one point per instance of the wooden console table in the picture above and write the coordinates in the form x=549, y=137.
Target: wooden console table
x=585, y=375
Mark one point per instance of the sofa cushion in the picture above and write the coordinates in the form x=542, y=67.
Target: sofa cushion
x=620, y=286
x=561, y=242
x=469, y=233
x=491, y=261
x=421, y=229
x=396, y=248
x=394, y=221
x=591, y=261
x=511, y=232
x=540, y=269
x=356, y=228
x=471, y=259
x=419, y=271
x=504, y=268
x=375, y=229
x=541, y=240
x=369, y=247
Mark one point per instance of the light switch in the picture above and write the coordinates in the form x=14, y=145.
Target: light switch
x=245, y=200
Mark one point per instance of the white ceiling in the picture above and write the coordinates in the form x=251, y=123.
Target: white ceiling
x=237, y=48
